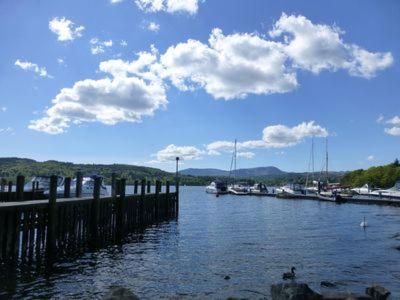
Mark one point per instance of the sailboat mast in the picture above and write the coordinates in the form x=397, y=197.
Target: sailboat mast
x=312, y=159
x=235, y=156
x=326, y=161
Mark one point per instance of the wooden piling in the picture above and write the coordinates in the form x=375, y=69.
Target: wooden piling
x=20, y=188
x=113, y=182
x=67, y=187
x=148, y=187
x=135, y=189
x=94, y=216
x=120, y=210
x=52, y=218
x=78, y=188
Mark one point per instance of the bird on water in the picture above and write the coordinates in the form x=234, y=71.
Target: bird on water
x=364, y=223
x=289, y=275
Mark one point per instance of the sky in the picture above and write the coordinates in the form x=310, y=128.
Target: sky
x=143, y=81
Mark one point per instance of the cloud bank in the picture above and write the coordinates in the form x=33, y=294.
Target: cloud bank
x=227, y=67
x=65, y=29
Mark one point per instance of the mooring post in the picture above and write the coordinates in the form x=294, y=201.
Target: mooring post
x=3, y=185
x=167, y=199
x=113, y=182
x=95, y=209
x=141, y=203
x=135, y=190
x=20, y=188
x=157, y=200
x=67, y=187
x=148, y=187
x=177, y=187
x=51, y=242
x=121, y=210
x=9, y=191
x=78, y=188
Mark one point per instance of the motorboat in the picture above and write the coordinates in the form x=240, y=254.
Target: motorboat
x=364, y=190
x=259, y=189
x=393, y=192
x=238, y=189
x=290, y=191
x=217, y=187
x=87, y=188
x=331, y=196
x=42, y=183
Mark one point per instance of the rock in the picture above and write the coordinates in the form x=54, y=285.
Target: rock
x=377, y=292
x=227, y=277
x=327, y=284
x=344, y=296
x=120, y=293
x=293, y=291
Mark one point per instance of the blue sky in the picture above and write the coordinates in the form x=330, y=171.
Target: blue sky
x=141, y=82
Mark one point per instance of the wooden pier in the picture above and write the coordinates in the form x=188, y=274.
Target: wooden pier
x=41, y=230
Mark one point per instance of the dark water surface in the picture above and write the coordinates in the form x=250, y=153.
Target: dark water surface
x=251, y=239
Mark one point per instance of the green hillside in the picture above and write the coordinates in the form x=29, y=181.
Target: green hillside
x=381, y=176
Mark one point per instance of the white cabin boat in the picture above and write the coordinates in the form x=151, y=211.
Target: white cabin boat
x=238, y=189
x=42, y=183
x=217, y=187
x=364, y=190
x=259, y=189
x=393, y=192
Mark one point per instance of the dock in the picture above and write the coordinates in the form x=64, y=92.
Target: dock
x=43, y=230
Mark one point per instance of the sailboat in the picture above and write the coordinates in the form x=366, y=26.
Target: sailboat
x=327, y=194
x=313, y=187
x=236, y=188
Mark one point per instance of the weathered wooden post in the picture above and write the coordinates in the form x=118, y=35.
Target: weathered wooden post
x=52, y=224
x=167, y=199
x=135, y=191
x=148, y=187
x=95, y=209
x=78, y=188
x=141, y=202
x=9, y=191
x=33, y=190
x=177, y=187
x=3, y=185
x=120, y=210
x=19, y=195
x=157, y=200
x=113, y=182
x=67, y=187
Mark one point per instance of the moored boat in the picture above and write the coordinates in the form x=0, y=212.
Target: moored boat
x=259, y=189
x=217, y=187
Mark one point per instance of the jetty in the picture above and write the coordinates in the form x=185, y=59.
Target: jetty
x=40, y=230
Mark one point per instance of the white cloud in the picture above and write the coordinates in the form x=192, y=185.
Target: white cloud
x=65, y=29
x=280, y=136
x=230, y=66
x=98, y=46
x=246, y=154
x=152, y=26
x=170, y=6
x=395, y=131
x=124, y=43
x=29, y=66
x=317, y=47
x=125, y=97
x=380, y=119
x=115, y=1
x=394, y=121
x=275, y=136
x=170, y=153
x=7, y=130
x=371, y=158
x=3, y=109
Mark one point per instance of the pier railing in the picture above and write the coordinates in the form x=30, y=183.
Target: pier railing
x=40, y=230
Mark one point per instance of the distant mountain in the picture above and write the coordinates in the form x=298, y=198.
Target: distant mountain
x=244, y=173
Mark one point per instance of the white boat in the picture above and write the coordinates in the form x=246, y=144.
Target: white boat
x=290, y=190
x=42, y=183
x=393, y=192
x=238, y=189
x=259, y=189
x=217, y=187
x=87, y=188
x=364, y=190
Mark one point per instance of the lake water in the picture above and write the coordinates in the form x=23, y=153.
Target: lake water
x=251, y=239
